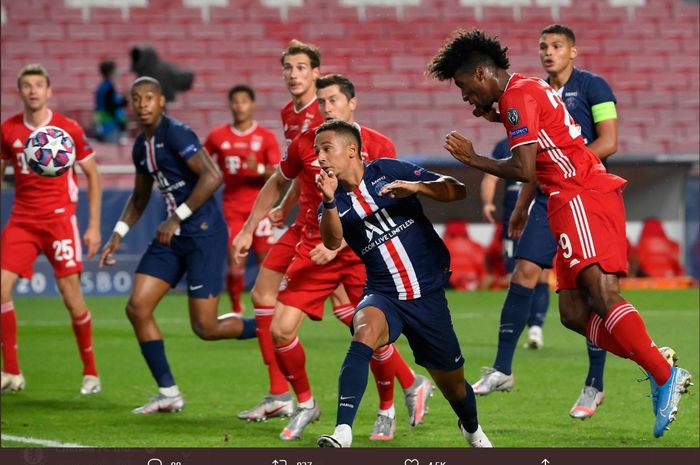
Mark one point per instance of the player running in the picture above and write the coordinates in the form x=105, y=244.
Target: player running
x=375, y=208
x=315, y=272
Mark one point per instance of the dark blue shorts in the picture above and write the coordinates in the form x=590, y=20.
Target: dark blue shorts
x=427, y=325
x=537, y=243
x=202, y=258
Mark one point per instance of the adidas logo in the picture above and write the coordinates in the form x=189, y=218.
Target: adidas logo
x=17, y=144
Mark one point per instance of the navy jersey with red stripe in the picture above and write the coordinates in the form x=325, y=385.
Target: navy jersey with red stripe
x=404, y=256
x=164, y=157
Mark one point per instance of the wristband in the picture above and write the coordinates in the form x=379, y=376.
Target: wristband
x=183, y=212
x=329, y=205
x=261, y=169
x=121, y=229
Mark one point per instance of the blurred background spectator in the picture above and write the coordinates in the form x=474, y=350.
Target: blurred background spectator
x=110, y=115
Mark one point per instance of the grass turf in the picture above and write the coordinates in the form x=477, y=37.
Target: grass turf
x=221, y=378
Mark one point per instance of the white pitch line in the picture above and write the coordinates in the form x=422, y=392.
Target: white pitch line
x=39, y=442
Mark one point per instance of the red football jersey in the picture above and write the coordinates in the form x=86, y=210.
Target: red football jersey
x=533, y=112
x=301, y=161
x=297, y=121
x=231, y=149
x=39, y=198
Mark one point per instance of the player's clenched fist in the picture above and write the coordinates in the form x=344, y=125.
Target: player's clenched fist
x=327, y=183
x=459, y=147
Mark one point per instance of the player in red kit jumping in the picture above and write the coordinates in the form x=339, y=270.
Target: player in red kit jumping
x=43, y=220
x=585, y=208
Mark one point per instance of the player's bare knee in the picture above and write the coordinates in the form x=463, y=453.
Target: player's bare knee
x=526, y=274
x=453, y=391
x=367, y=335
x=281, y=336
x=203, y=331
x=572, y=320
x=135, y=312
x=262, y=296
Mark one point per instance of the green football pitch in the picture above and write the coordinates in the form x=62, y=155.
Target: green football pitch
x=221, y=378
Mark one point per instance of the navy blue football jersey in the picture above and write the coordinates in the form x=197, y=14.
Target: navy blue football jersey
x=164, y=157
x=403, y=255
x=581, y=93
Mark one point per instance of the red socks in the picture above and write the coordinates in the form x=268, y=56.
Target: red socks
x=382, y=367
x=263, y=319
x=624, y=333
x=234, y=284
x=82, y=327
x=9, y=339
x=292, y=362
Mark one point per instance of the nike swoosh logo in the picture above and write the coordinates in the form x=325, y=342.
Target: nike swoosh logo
x=343, y=214
x=346, y=397
x=458, y=358
x=194, y=288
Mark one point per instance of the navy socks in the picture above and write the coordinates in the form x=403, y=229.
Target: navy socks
x=516, y=310
x=352, y=382
x=154, y=353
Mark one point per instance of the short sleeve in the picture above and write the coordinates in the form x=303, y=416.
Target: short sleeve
x=290, y=165
x=599, y=91
x=601, y=100
x=83, y=149
x=407, y=171
x=272, y=150
x=209, y=145
x=520, y=116
x=184, y=141
x=5, y=149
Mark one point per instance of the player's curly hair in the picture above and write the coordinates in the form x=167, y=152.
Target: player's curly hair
x=343, y=128
x=467, y=50
x=296, y=47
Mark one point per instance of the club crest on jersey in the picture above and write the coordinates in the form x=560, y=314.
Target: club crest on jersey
x=283, y=284
x=513, y=116
x=379, y=185
x=256, y=143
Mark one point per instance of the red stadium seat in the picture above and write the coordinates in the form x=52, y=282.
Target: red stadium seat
x=468, y=265
x=658, y=255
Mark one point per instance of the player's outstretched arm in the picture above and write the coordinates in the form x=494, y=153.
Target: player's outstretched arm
x=134, y=208
x=330, y=227
x=443, y=189
x=92, y=236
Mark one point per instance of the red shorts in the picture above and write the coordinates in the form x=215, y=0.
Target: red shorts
x=59, y=240
x=307, y=285
x=590, y=229
x=280, y=255
x=263, y=237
